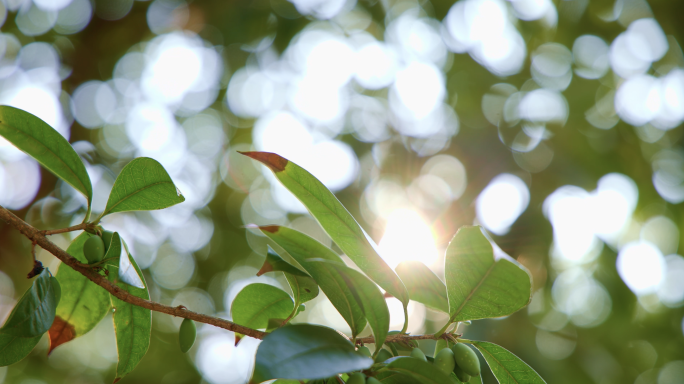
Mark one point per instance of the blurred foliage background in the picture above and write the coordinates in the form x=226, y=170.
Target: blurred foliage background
x=556, y=124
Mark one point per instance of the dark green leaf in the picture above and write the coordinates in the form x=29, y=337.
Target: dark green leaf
x=481, y=284
x=306, y=351
x=257, y=303
x=142, y=185
x=132, y=324
x=34, y=313
x=83, y=302
x=335, y=220
x=423, y=285
x=14, y=348
x=302, y=248
x=506, y=367
x=419, y=370
x=367, y=295
x=35, y=137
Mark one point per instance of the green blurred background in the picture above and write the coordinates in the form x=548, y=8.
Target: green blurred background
x=555, y=124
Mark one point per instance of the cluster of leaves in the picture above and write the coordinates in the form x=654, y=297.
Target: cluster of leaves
x=143, y=184
x=480, y=281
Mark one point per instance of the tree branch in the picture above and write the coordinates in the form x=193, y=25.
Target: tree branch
x=38, y=237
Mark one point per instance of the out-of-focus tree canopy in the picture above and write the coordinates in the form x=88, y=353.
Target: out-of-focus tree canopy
x=557, y=125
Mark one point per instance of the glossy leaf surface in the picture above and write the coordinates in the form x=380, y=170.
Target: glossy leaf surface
x=132, y=324
x=257, y=303
x=423, y=285
x=306, y=351
x=35, y=311
x=335, y=220
x=506, y=367
x=479, y=284
x=142, y=185
x=83, y=303
x=367, y=295
x=39, y=140
x=419, y=370
x=14, y=348
x=302, y=248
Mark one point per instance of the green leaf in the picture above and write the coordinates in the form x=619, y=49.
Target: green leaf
x=304, y=288
x=367, y=295
x=132, y=324
x=142, y=185
x=40, y=141
x=306, y=351
x=302, y=248
x=275, y=263
x=257, y=303
x=418, y=370
x=506, y=367
x=83, y=303
x=423, y=285
x=14, y=348
x=392, y=377
x=335, y=220
x=34, y=313
x=481, y=284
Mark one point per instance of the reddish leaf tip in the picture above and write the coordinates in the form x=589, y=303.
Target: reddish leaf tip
x=270, y=228
x=238, y=337
x=274, y=161
x=267, y=267
x=59, y=333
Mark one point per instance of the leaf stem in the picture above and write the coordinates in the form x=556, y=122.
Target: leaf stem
x=403, y=330
x=78, y=227
x=441, y=331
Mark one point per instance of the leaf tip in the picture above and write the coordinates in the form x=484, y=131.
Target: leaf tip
x=267, y=267
x=238, y=337
x=274, y=161
x=270, y=228
x=59, y=333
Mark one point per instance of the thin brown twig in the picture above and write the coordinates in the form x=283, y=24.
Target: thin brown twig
x=38, y=237
x=78, y=227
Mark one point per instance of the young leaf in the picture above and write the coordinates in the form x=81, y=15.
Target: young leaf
x=306, y=351
x=257, y=303
x=481, y=284
x=506, y=367
x=274, y=263
x=304, y=288
x=83, y=303
x=335, y=220
x=423, y=285
x=132, y=324
x=35, y=137
x=419, y=370
x=14, y=348
x=302, y=248
x=367, y=295
x=34, y=313
x=142, y=185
